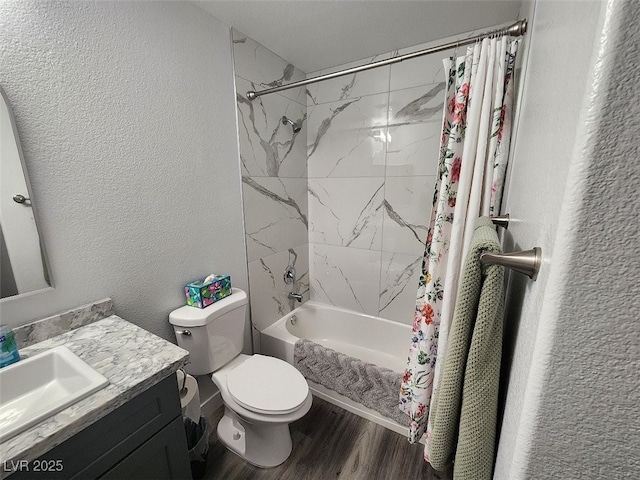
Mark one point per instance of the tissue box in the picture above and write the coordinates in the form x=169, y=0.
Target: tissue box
x=200, y=294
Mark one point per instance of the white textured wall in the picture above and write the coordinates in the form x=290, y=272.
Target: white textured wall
x=127, y=119
x=587, y=424
x=547, y=119
x=571, y=408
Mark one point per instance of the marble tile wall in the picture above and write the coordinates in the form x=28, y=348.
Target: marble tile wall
x=372, y=147
x=347, y=199
x=274, y=180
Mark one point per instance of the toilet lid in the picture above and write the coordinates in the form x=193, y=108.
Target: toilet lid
x=267, y=385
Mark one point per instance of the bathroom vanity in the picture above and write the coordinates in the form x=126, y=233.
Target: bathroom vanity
x=132, y=428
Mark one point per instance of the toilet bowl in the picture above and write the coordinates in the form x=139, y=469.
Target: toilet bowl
x=261, y=394
x=256, y=420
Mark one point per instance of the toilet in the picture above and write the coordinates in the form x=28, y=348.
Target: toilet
x=262, y=395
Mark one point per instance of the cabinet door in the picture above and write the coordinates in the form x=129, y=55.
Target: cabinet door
x=99, y=447
x=162, y=457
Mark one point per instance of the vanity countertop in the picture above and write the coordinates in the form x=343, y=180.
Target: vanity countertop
x=132, y=359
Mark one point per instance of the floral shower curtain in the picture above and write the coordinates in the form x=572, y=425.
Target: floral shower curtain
x=473, y=158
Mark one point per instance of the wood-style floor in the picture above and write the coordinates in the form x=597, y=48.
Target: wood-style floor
x=329, y=443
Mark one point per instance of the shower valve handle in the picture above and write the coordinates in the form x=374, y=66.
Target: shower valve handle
x=289, y=275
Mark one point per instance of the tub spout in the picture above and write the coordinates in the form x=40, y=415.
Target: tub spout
x=295, y=296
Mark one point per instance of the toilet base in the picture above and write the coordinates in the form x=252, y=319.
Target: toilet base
x=261, y=444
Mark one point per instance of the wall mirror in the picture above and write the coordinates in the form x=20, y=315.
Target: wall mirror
x=23, y=262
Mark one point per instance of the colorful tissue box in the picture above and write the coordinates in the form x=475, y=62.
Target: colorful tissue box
x=200, y=294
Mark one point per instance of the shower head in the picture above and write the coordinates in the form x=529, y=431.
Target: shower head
x=294, y=125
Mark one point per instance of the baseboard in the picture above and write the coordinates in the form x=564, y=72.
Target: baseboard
x=211, y=404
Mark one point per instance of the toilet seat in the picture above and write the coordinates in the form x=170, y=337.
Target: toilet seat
x=267, y=385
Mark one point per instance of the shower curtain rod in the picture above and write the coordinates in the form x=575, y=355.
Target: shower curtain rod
x=516, y=30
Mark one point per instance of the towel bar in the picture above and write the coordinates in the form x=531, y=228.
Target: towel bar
x=501, y=221
x=527, y=261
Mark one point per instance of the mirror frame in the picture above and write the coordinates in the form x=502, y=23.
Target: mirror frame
x=44, y=256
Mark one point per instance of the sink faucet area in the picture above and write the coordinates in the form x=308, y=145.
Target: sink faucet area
x=42, y=385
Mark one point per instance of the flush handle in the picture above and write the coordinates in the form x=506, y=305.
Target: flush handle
x=186, y=333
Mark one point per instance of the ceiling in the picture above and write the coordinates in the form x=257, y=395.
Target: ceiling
x=317, y=34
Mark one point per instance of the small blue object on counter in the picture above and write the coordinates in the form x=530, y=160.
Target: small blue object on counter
x=203, y=293
x=8, y=348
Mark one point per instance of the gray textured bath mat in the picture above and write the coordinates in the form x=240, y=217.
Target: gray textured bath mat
x=374, y=387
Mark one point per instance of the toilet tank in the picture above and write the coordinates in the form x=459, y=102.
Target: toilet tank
x=213, y=335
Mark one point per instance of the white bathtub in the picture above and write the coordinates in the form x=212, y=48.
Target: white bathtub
x=370, y=339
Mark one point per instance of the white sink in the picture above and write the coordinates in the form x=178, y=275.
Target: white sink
x=40, y=386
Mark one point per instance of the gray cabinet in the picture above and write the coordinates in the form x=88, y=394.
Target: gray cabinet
x=160, y=457
x=142, y=439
